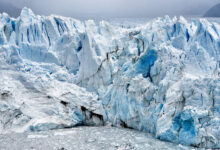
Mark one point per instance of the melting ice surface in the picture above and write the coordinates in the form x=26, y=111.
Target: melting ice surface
x=160, y=77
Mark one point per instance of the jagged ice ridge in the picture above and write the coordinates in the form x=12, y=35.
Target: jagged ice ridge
x=160, y=77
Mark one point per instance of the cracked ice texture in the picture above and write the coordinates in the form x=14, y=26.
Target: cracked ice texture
x=160, y=77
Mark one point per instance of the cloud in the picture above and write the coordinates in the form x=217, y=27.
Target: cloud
x=117, y=8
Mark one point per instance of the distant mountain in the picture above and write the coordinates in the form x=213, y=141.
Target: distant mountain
x=213, y=12
x=9, y=9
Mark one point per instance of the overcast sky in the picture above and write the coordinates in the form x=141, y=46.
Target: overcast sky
x=116, y=8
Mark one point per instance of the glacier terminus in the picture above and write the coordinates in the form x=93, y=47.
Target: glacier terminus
x=160, y=77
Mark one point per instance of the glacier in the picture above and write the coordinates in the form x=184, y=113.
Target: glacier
x=160, y=77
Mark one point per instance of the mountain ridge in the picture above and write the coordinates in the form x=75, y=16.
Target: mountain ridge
x=213, y=12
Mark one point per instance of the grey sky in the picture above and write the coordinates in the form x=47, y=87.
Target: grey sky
x=116, y=8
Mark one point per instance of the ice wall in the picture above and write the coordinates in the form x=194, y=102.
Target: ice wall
x=160, y=77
